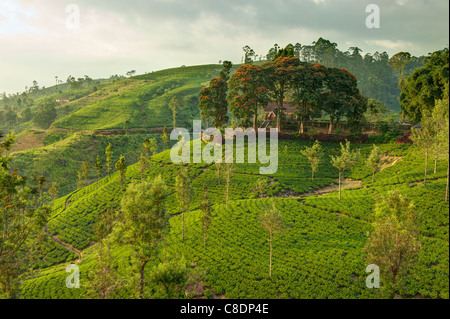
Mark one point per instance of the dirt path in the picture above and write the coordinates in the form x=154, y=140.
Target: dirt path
x=347, y=183
x=389, y=161
x=66, y=245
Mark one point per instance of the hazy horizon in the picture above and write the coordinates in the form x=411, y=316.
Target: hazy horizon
x=39, y=42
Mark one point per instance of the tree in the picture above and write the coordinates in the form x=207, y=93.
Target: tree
x=131, y=73
x=53, y=190
x=272, y=222
x=206, y=213
x=219, y=167
x=340, y=96
x=261, y=186
x=21, y=220
x=121, y=167
x=149, y=145
x=98, y=167
x=248, y=54
x=344, y=161
x=85, y=170
x=174, y=106
x=213, y=102
x=165, y=138
x=424, y=138
x=248, y=93
x=184, y=193
x=314, y=155
x=225, y=73
x=105, y=279
x=398, y=63
x=374, y=160
x=426, y=85
x=143, y=165
x=229, y=169
x=45, y=116
x=108, y=153
x=171, y=276
x=393, y=243
x=306, y=85
x=145, y=221
x=280, y=75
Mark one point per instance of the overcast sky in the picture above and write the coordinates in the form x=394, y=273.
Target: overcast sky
x=40, y=39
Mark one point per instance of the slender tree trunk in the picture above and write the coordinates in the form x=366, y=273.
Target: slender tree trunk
x=312, y=179
x=446, y=189
x=339, y=185
x=204, y=238
x=280, y=107
x=330, y=129
x=435, y=164
x=141, y=281
x=373, y=176
x=301, y=125
x=270, y=260
x=426, y=168
x=182, y=225
x=255, y=121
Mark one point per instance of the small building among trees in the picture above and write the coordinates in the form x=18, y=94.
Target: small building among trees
x=271, y=108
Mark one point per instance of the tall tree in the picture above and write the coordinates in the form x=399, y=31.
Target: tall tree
x=184, y=193
x=345, y=160
x=121, y=167
x=272, y=222
x=398, y=63
x=149, y=145
x=306, y=85
x=393, y=243
x=98, y=167
x=314, y=155
x=206, y=213
x=21, y=220
x=248, y=93
x=426, y=85
x=165, y=137
x=225, y=73
x=339, y=92
x=145, y=221
x=423, y=138
x=213, y=102
x=175, y=106
x=85, y=170
x=109, y=154
x=53, y=190
x=374, y=160
x=229, y=169
x=280, y=76
x=143, y=165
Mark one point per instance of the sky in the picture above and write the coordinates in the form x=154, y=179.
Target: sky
x=41, y=39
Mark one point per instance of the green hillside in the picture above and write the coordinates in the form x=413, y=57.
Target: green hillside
x=319, y=254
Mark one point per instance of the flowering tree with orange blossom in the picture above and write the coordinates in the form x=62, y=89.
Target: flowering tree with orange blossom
x=248, y=92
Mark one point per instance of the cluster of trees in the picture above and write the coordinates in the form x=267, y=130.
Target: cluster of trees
x=426, y=85
x=76, y=84
x=432, y=138
x=23, y=213
x=312, y=88
x=377, y=77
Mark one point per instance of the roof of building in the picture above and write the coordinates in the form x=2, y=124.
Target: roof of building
x=288, y=108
